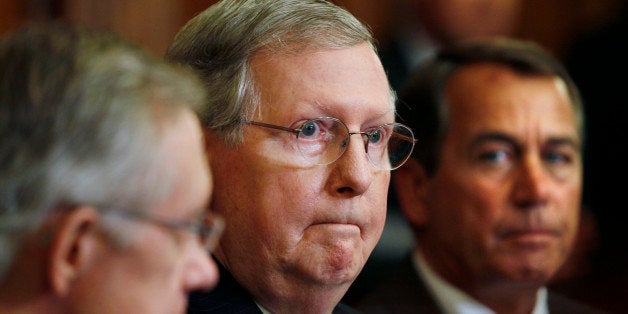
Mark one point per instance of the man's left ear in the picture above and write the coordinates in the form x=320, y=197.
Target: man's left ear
x=72, y=245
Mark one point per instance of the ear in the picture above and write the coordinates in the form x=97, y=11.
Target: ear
x=409, y=183
x=72, y=245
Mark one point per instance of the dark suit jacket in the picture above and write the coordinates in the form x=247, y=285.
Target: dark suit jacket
x=230, y=297
x=405, y=292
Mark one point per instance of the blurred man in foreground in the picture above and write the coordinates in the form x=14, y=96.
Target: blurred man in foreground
x=103, y=179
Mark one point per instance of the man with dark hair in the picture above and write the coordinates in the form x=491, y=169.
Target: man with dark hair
x=493, y=188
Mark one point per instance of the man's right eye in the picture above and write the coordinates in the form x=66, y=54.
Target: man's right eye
x=309, y=129
x=494, y=156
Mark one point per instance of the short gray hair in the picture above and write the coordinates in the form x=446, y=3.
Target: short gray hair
x=220, y=42
x=81, y=117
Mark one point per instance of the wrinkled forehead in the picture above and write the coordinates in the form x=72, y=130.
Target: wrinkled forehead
x=486, y=96
x=343, y=83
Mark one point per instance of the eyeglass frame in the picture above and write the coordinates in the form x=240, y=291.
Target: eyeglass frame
x=207, y=235
x=297, y=131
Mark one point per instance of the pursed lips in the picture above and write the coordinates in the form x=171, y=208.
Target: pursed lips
x=340, y=218
x=336, y=223
x=339, y=224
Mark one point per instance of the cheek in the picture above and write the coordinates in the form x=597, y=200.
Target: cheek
x=271, y=207
x=570, y=211
x=464, y=193
x=378, y=201
x=464, y=203
x=374, y=207
x=132, y=280
x=154, y=260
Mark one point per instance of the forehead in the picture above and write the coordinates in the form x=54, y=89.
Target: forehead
x=488, y=96
x=347, y=83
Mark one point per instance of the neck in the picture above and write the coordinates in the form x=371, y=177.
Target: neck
x=285, y=294
x=515, y=304
x=297, y=297
x=500, y=295
x=308, y=305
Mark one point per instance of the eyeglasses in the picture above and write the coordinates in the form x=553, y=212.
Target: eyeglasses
x=208, y=227
x=323, y=140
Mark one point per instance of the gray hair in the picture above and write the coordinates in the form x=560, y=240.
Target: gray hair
x=220, y=42
x=81, y=118
x=422, y=98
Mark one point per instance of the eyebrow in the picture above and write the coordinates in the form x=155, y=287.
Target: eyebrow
x=492, y=137
x=565, y=141
x=326, y=110
x=501, y=137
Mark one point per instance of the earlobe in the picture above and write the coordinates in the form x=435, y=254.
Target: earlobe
x=71, y=247
x=409, y=182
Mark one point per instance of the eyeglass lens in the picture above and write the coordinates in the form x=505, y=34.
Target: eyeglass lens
x=324, y=140
x=209, y=227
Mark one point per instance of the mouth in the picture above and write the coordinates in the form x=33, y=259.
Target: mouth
x=337, y=227
x=530, y=238
x=336, y=224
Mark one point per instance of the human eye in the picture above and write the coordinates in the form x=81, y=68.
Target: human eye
x=376, y=137
x=316, y=135
x=561, y=160
x=560, y=155
x=495, y=154
x=312, y=129
x=380, y=136
x=321, y=129
x=557, y=158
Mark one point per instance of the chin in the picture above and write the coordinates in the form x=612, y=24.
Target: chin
x=345, y=273
x=535, y=273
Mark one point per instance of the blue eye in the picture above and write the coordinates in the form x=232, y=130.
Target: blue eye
x=494, y=156
x=556, y=158
x=375, y=137
x=309, y=128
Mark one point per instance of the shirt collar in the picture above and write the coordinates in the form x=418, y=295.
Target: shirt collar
x=453, y=300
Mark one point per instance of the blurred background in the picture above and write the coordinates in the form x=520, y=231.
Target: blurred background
x=153, y=23
x=589, y=36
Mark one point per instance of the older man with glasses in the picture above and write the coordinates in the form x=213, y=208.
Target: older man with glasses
x=103, y=181
x=302, y=124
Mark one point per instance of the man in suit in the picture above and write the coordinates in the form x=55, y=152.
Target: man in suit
x=493, y=189
x=302, y=126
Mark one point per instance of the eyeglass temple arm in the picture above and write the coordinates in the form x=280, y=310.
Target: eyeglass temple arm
x=408, y=138
x=272, y=126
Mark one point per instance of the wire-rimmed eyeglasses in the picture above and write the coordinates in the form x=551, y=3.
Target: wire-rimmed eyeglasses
x=209, y=226
x=323, y=140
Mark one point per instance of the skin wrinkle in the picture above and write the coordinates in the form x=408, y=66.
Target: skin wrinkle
x=302, y=243
x=531, y=112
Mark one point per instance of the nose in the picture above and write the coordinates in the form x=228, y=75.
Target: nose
x=201, y=271
x=352, y=174
x=532, y=184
